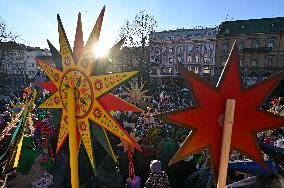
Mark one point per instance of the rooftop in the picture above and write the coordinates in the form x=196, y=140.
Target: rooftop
x=264, y=25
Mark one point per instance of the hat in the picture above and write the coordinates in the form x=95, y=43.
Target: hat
x=155, y=166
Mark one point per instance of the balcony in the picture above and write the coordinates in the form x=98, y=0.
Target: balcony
x=260, y=49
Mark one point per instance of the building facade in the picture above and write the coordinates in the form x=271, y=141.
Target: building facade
x=18, y=64
x=260, y=43
x=192, y=48
x=130, y=58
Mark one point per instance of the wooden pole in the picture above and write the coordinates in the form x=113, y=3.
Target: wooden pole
x=72, y=128
x=226, y=142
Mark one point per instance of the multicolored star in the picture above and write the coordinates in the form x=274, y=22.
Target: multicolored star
x=206, y=118
x=77, y=73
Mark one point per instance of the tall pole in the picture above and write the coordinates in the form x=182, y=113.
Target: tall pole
x=72, y=127
x=226, y=142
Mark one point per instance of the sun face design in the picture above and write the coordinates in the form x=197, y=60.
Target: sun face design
x=88, y=89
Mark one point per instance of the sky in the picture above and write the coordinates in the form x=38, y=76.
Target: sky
x=35, y=20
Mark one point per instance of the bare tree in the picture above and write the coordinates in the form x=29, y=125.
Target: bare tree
x=11, y=55
x=5, y=33
x=136, y=32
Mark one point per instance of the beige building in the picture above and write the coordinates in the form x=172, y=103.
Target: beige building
x=192, y=48
x=18, y=63
x=260, y=43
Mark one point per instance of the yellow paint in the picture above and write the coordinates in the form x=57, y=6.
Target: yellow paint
x=63, y=131
x=66, y=54
x=84, y=130
x=100, y=116
x=104, y=83
x=111, y=150
x=18, y=152
x=53, y=74
x=72, y=138
x=84, y=105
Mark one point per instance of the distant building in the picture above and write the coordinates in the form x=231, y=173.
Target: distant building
x=129, y=58
x=18, y=64
x=193, y=48
x=260, y=43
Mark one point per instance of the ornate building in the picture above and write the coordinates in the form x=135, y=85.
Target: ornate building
x=260, y=43
x=18, y=64
x=193, y=48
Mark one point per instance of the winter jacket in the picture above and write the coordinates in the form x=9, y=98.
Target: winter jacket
x=159, y=180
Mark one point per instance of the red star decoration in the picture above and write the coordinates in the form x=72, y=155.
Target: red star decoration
x=204, y=118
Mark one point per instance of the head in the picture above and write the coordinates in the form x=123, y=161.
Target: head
x=155, y=166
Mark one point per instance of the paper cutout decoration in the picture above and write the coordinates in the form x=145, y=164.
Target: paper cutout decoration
x=117, y=104
x=88, y=89
x=130, y=150
x=206, y=118
x=126, y=146
x=136, y=93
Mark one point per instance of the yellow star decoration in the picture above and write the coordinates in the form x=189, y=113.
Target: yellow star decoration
x=87, y=89
x=126, y=145
x=136, y=93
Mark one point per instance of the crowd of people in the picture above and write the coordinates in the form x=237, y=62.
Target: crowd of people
x=41, y=167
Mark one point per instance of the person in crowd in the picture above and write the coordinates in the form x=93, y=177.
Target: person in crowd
x=157, y=178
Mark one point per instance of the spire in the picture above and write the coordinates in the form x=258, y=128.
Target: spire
x=78, y=43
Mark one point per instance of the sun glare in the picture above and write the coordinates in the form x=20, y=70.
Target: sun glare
x=100, y=50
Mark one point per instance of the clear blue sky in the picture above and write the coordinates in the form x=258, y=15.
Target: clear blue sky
x=35, y=20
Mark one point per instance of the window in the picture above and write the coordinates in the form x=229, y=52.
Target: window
x=227, y=31
x=226, y=44
x=241, y=45
x=211, y=58
x=208, y=48
x=197, y=48
x=255, y=43
x=242, y=61
x=153, y=71
x=171, y=49
x=179, y=59
x=157, y=60
x=197, y=58
x=170, y=60
x=190, y=48
x=164, y=49
x=164, y=59
x=206, y=70
x=167, y=71
x=189, y=58
x=253, y=61
x=205, y=48
x=269, y=62
x=270, y=43
x=196, y=70
x=206, y=59
x=180, y=49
